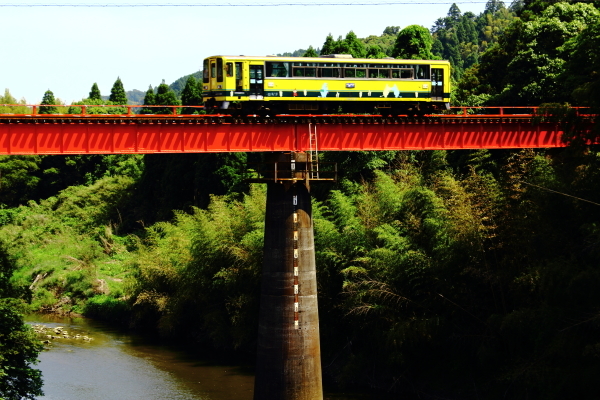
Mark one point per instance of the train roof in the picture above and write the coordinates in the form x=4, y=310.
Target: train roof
x=337, y=58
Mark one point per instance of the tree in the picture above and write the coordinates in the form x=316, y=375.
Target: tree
x=354, y=46
x=525, y=66
x=51, y=101
x=311, y=52
x=8, y=98
x=581, y=72
x=19, y=348
x=117, y=93
x=375, y=52
x=191, y=95
x=391, y=30
x=413, y=42
x=165, y=96
x=95, y=92
x=149, y=100
x=329, y=47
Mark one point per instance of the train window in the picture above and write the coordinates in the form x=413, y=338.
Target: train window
x=278, y=69
x=349, y=73
x=213, y=69
x=219, y=70
x=361, y=73
x=238, y=70
x=422, y=71
x=205, y=71
x=305, y=71
x=379, y=73
x=311, y=72
x=229, y=69
x=329, y=72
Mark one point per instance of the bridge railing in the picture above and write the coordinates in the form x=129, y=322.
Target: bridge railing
x=137, y=110
x=523, y=111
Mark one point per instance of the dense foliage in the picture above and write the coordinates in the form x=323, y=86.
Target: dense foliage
x=457, y=275
x=19, y=346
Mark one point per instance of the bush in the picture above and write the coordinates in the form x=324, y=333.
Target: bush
x=107, y=308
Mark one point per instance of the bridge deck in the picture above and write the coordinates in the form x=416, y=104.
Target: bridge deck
x=107, y=134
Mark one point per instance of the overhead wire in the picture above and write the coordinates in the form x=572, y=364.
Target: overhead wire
x=557, y=192
x=252, y=4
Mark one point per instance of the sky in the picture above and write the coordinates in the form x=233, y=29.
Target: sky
x=67, y=46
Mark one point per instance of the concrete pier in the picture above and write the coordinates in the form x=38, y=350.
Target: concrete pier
x=289, y=354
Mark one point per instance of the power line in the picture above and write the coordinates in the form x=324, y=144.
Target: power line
x=557, y=192
x=258, y=4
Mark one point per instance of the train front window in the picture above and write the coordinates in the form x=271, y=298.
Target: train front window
x=213, y=69
x=238, y=70
x=229, y=69
x=219, y=70
x=205, y=71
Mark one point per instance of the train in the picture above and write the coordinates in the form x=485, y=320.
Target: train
x=333, y=84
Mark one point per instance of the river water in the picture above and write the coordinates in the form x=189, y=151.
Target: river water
x=115, y=365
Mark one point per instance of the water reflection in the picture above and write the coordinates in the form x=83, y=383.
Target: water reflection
x=118, y=366
x=122, y=366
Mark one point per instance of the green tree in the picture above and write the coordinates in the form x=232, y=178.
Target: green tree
x=525, y=66
x=329, y=47
x=19, y=347
x=391, y=30
x=117, y=93
x=311, y=52
x=353, y=45
x=7, y=98
x=165, y=96
x=51, y=101
x=149, y=100
x=581, y=70
x=95, y=93
x=413, y=42
x=191, y=96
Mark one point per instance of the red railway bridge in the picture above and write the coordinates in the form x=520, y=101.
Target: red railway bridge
x=463, y=128
x=288, y=350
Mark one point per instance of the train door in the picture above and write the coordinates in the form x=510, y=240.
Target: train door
x=213, y=74
x=257, y=74
x=239, y=77
x=437, y=84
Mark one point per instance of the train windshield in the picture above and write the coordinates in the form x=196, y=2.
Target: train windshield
x=205, y=71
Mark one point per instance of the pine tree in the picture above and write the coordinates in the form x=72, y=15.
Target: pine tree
x=191, y=96
x=95, y=92
x=117, y=93
x=149, y=100
x=50, y=100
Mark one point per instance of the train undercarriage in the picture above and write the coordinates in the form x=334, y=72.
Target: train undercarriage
x=272, y=108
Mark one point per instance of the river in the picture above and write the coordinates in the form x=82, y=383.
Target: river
x=117, y=365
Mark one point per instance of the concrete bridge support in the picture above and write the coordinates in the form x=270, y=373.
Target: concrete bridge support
x=289, y=354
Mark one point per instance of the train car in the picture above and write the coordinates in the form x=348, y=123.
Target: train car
x=242, y=85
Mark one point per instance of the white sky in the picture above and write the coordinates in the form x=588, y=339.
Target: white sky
x=67, y=49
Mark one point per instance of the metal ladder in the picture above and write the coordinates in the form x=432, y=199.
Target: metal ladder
x=313, y=152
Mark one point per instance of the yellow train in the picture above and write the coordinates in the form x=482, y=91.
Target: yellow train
x=242, y=85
